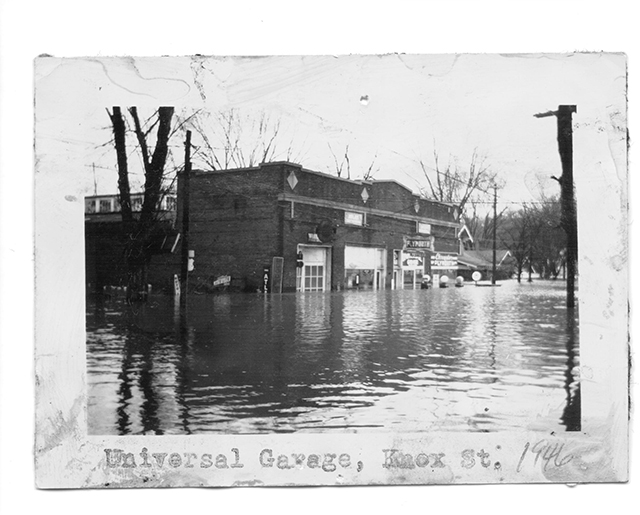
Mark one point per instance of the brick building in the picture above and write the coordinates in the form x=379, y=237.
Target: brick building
x=295, y=229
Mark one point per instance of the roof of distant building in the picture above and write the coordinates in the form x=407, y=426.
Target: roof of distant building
x=483, y=258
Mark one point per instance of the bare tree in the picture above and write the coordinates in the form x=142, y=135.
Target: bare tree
x=233, y=139
x=480, y=226
x=550, y=242
x=345, y=160
x=517, y=234
x=534, y=235
x=454, y=184
x=138, y=230
x=368, y=175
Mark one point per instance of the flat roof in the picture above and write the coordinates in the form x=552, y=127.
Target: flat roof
x=324, y=174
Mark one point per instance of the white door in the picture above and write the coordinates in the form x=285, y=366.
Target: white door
x=313, y=275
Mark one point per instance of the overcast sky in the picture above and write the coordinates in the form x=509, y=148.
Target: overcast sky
x=391, y=110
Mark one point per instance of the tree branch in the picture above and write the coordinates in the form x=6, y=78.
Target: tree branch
x=142, y=141
x=154, y=174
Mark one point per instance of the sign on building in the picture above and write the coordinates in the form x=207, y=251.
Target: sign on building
x=442, y=261
x=424, y=228
x=412, y=260
x=351, y=218
x=419, y=243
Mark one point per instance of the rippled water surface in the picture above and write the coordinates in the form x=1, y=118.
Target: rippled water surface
x=454, y=359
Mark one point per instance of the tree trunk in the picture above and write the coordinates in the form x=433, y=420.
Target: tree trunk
x=137, y=233
x=119, y=136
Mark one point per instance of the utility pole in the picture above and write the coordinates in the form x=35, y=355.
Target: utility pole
x=569, y=219
x=495, y=216
x=95, y=181
x=184, y=265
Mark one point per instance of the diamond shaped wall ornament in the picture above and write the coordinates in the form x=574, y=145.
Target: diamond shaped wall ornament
x=292, y=180
x=364, y=195
x=416, y=206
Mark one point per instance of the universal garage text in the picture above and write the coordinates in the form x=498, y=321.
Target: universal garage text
x=328, y=462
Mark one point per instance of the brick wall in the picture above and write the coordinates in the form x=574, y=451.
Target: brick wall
x=234, y=224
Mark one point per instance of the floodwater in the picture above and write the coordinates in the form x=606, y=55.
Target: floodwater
x=457, y=359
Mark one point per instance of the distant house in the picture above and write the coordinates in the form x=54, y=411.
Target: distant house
x=470, y=261
x=466, y=240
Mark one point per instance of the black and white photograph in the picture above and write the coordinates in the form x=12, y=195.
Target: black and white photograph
x=317, y=257
x=331, y=269
x=349, y=244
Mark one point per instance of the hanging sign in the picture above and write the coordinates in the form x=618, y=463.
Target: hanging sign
x=418, y=244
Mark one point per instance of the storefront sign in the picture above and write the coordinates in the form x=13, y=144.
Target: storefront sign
x=418, y=244
x=424, y=228
x=223, y=280
x=412, y=260
x=351, y=218
x=444, y=261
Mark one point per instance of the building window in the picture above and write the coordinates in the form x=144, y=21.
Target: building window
x=424, y=228
x=314, y=278
x=396, y=258
x=351, y=218
x=136, y=204
x=90, y=206
x=105, y=206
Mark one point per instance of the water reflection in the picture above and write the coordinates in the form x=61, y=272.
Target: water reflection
x=571, y=415
x=469, y=359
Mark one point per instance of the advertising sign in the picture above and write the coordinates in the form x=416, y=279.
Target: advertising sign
x=441, y=261
x=418, y=244
x=412, y=260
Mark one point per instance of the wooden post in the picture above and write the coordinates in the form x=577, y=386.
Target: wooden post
x=495, y=216
x=569, y=218
x=184, y=265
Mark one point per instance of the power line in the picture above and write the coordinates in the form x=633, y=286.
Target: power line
x=518, y=202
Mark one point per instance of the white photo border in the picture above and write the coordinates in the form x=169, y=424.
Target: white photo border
x=66, y=457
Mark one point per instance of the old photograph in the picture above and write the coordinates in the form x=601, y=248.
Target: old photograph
x=363, y=248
